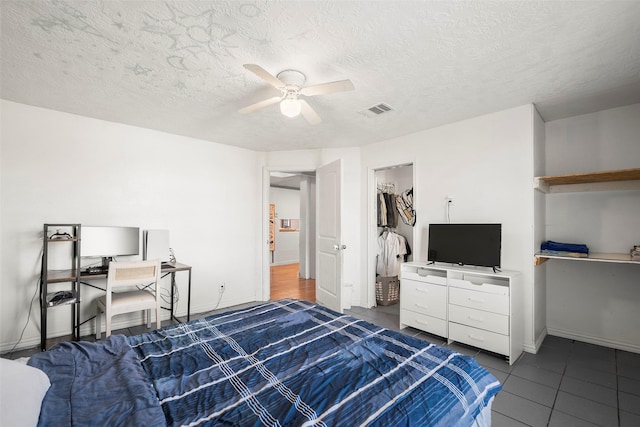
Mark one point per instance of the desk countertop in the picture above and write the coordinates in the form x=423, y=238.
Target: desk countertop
x=168, y=267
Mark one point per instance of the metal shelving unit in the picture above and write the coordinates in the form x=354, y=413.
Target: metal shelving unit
x=60, y=234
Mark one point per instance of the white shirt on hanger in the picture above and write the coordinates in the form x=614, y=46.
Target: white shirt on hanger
x=391, y=250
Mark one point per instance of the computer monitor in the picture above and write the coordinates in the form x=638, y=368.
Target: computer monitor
x=108, y=242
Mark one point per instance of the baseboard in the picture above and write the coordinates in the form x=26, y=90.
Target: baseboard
x=86, y=329
x=124, y=322
x=633, y=348
x=25, y=343
x=537, y=344
x=280, y=263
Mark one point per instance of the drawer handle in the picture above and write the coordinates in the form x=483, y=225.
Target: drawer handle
x=424, y=291
x=421, y=322
x=421, y=305
x=475, y=299
x=476, y=338
x=475, y=319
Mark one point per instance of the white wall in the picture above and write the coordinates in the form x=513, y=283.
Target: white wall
x=59, y=167
x=594, y=302
x=287, y=244
x=486, y=164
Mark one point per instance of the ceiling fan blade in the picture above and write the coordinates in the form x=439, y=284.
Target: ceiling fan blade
x=324, y=88
x=259, y=105
x=264, y=75
x=309, y=113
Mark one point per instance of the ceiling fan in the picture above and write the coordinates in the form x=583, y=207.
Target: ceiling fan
x=291, y=84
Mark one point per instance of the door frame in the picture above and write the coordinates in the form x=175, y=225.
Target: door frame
x=372, y=224
x=264, y=293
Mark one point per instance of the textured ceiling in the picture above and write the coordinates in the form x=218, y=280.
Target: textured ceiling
x=176, y=66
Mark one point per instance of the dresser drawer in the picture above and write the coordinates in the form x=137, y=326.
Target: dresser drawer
x=425, y=275
x=425, y=298
x=479, y=300
x=423, y=322
x=479, y=338
x=488, y=321
x=492, y=286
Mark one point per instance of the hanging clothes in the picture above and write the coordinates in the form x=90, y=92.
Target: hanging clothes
x=392, y=249
x=386, y=209
x=392, y=220
x=382, y=210
x=404, y=205
x=408, y=251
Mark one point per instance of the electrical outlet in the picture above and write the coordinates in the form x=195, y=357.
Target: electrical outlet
x=222, y=287
x=449, y=200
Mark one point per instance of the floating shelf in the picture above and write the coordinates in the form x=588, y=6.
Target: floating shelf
x=595, y=256
x=623, y=179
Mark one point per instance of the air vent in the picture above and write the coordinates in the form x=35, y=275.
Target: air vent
x=380, y=108
x=376, y=110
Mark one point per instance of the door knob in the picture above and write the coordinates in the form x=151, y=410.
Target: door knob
x=339, y=247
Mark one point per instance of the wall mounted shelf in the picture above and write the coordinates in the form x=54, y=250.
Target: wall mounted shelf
x=623, y=179
x=595, y=256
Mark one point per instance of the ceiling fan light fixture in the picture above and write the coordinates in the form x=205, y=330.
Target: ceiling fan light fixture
x=290, y=107
x=291, y=83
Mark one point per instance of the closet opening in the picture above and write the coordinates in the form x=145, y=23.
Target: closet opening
x=393, y=238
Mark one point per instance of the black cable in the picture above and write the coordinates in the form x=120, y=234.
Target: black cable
x=38, y=284
x=220, y=292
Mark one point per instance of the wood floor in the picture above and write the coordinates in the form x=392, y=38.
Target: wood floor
x=285, y=283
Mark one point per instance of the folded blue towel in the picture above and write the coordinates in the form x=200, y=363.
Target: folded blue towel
x=564, y=247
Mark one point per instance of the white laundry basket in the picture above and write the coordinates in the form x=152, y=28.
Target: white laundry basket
x=387, y=290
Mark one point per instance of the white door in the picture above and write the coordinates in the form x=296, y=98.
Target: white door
x=328, y=236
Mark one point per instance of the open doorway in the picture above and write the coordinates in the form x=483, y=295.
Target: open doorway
x=292, y=235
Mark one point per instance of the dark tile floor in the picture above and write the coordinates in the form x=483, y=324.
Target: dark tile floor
x=568, y=383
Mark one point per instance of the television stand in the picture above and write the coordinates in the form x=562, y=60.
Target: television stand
x=480, y=308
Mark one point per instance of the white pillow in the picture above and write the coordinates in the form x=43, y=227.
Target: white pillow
x=22, y=389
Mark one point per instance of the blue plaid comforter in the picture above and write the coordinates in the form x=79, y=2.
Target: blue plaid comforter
x=294, y=363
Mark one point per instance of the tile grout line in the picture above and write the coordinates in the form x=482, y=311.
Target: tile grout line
x=617, y=386
x=555, y=399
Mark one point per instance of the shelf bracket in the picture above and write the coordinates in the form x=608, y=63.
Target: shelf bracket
x=540, y=260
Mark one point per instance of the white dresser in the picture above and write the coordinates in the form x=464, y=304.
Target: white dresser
x=474, y=306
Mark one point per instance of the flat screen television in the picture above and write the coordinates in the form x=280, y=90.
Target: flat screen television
x=108, y=242
x=465, y=244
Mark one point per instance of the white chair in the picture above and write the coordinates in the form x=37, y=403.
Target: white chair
x=145, y=275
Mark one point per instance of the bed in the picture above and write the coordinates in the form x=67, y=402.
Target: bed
x=281, y=363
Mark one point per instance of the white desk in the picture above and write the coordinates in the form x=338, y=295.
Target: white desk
x=167, y=268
